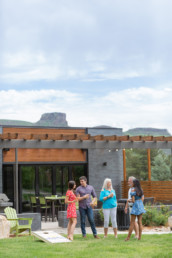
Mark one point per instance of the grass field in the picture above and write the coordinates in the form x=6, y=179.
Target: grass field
x=149, y=246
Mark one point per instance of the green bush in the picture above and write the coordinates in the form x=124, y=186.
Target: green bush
x=155, y=217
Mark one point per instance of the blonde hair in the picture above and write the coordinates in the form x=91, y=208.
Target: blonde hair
x=106, y=181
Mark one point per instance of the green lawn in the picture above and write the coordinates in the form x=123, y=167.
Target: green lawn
x=149, y=246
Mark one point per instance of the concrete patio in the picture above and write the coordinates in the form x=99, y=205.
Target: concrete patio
x=146, y=230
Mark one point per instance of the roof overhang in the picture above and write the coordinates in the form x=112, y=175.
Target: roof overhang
x=86, y=141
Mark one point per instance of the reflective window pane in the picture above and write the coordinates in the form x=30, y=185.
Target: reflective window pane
x=59, y=180
x=8, y=182
x=28, y=186
x=65, y=180
x=45, y=180
x=77, y=172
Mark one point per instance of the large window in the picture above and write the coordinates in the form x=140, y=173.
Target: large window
x=45, y=180
x=66, y=173
x=77, y=172
x=27, y=174
x=8, y=182
x=62, y=178
x=40, y=180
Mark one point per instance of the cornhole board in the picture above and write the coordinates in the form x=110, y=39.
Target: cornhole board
x=50, y=237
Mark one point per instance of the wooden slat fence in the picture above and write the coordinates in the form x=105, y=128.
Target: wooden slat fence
x=160, y=190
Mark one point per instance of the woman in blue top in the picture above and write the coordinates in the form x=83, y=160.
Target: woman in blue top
x=137, y=209
x=108, y=197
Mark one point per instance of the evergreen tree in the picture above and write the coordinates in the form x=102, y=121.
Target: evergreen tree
x=161, y=170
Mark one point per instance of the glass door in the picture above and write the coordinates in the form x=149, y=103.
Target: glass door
x=8, y=182
x=27, y=178
x=45, y=180
x=77, y=172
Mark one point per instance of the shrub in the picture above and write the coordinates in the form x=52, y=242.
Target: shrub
x=155, y=217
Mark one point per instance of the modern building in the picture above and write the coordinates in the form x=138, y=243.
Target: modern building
x=41, y=161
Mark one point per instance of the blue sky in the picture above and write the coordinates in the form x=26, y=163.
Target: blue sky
x=101, y=62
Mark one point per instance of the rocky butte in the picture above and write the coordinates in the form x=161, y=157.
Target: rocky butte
x=55, y=119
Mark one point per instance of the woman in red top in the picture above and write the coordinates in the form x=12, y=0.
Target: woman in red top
x=71, y=209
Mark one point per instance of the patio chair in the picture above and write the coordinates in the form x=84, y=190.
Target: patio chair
x=57, y=206
x=33, y=203
x=62, y=202
x=44, y=208
x=14, y=221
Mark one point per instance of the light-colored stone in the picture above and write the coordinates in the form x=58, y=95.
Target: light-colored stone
x=4, y=227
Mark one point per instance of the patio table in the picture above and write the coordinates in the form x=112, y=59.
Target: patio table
x=52, y=200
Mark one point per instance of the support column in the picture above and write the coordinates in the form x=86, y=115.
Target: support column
x=16, y=180
x=1, y=160
x=124, y=166
x=149, y=164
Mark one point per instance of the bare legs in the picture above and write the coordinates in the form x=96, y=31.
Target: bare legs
x=132, y=222
x=71, y=227
x=136, y=229
x=115, y=232
x=140, y=226
x=68, y=227
x=132, y=225
x=106, y=232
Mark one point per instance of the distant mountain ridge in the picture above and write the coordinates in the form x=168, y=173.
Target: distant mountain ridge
x=55, y=119
x=147, y=131
x=58, y=119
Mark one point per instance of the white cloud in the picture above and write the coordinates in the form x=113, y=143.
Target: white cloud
x=85, y=40
x=142, y=107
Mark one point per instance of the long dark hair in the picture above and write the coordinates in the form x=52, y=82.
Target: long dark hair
x=71, y=185
x=137, y=186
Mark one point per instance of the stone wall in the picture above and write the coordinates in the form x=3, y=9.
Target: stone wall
x=63, y=221
x=104, y=163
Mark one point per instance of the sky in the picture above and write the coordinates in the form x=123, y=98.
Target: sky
x=100, y=62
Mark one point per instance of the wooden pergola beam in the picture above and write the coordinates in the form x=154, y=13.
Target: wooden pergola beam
x=168, y=138
x=83, y=137
x=40, y=137
x=69, y=137
x=97, y=137
x=146, y=138
x=55, y=137
x=4, y=136
x=135, y=138
x=110, y=138
x=158, y=138
x=12, y=136
x=123, y=138
x=25, y=136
